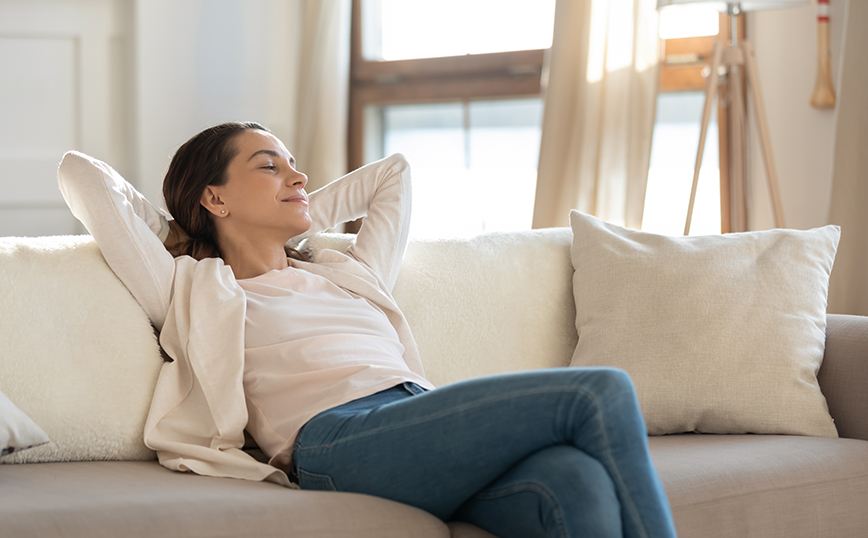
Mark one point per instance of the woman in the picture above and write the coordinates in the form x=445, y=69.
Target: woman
x=317, y=362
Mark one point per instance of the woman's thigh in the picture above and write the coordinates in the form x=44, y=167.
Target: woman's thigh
x=435, y=450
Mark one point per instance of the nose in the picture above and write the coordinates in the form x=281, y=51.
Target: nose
x=296, y=178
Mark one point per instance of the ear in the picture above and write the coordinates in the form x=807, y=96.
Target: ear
x=212, y=200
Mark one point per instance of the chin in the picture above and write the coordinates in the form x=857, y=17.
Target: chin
x=300, y=228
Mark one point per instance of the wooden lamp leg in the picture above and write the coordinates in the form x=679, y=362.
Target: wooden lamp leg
x=710, y=93
x=738, y=123
x=765, y=139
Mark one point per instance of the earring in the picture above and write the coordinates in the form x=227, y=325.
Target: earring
x=222, y=211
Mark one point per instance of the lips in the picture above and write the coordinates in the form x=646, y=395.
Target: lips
x=301, y=197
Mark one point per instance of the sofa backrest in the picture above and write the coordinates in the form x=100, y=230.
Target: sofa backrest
x=79, y=356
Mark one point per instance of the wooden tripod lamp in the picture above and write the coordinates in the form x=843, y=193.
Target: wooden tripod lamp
x=730, y=60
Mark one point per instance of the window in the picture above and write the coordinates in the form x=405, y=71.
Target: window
x=460, y=98
x=408, y=30
x=474, y=162
x=455, y=86
x=688, y=33
x=670, y=176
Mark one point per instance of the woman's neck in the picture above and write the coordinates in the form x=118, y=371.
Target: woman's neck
x=249, y=260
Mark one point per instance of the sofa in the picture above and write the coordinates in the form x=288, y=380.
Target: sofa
x=80, y=359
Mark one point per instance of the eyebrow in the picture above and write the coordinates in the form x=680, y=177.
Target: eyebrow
x=266, y=152
x=271, y=153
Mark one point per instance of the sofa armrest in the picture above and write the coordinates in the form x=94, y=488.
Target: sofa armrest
x=843, y=375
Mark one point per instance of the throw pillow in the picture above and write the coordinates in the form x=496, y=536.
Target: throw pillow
x=17, y=431
x=77, y=352
x=721, y=334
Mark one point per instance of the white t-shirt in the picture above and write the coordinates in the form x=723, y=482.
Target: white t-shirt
x=311, y=345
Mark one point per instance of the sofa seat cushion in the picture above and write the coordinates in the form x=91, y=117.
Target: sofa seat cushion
x=769, y=486
x=130, y=499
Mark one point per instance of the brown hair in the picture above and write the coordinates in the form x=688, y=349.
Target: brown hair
x=198, y=163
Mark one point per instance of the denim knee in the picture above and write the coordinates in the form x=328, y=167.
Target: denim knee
x=556, y=492
x=605, y=381
x=576, y=482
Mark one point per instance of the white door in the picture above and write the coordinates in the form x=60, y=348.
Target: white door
x=62, y=87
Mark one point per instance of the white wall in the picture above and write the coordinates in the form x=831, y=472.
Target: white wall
x=58, y=91
x=203, y=62
x=128, y=81
x=802, y=137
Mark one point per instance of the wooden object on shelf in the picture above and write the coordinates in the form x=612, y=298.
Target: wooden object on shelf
x=824, y=92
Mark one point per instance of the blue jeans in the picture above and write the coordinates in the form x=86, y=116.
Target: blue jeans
x=558, y=453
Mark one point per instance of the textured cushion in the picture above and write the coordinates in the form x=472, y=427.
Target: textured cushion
x=494, y=303
x=459, y=529
x=764, y=486
x=721, y=334
x=77, y=353
x=142, y=499
x=17, y=431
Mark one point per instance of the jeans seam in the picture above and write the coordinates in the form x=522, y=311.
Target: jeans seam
x=318, y=478
x=477, y=403
x=532, y=487
x=607, y=453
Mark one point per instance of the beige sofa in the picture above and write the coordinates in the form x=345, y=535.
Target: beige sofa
x=79, y=358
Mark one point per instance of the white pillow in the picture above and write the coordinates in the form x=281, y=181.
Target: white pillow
x=721, y=334
x=17, y=431
x=77, y=352
x=490, y=304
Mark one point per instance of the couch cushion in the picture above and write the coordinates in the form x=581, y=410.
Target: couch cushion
x=495, y=303
x=130, y=499
x=465, y=530
x=720, y=333
x=764, y=486
x=77, y=353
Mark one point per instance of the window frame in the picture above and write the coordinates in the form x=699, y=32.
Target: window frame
x=471, y=77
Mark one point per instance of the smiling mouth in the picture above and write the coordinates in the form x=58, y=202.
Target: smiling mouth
x=299, y=198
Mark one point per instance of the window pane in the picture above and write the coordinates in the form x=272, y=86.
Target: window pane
x=408, y=29
x=504, y=149
x=474, y=164
x=688, y=21
x=673, y=155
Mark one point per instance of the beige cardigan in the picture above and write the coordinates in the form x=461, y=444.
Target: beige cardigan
x=198, y=413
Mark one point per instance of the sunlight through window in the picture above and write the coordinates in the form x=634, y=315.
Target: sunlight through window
x=424, y=29
x=688, y=21
x=474, y=164
x=673, y=155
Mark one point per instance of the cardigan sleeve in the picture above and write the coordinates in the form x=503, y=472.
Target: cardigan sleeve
x=129, y=230
x=379, y=191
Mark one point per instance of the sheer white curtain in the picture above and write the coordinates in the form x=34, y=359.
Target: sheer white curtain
x=599, y=112
x=320, y=139
x=848, y=288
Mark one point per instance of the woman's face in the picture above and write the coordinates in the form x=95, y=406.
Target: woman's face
x=264, y=192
